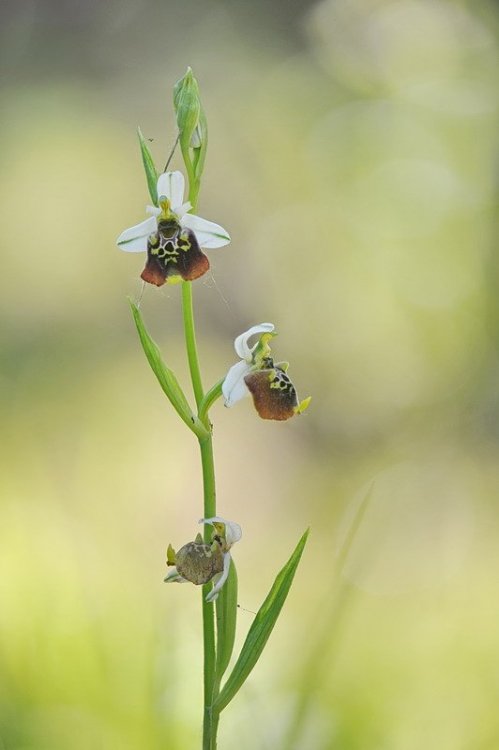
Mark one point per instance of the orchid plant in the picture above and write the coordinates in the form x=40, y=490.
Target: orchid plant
x=173, y=237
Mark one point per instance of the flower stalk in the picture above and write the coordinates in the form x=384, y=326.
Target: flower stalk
x=209, y=493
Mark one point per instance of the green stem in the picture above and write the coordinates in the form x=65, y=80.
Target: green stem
x=190, y=341
x=209, y=399
x=210, y=720
x=209, y=728
x=209, y=510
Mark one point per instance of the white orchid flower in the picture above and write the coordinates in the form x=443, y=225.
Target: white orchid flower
x=200, y=562
x=274, y=395
x=234, y=388
x=228, y=532
x=171, y=236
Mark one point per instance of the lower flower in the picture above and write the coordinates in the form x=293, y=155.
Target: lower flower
x=199, y=562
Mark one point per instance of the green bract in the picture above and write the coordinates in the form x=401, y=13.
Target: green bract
x=150, y=169
x=166, y=377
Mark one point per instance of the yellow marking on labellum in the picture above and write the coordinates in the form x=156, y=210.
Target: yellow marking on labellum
x=184, y=243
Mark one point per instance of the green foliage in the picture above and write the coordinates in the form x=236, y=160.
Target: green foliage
x=261, y=627
x=149, y=168
x=226, y=612
x=166, y=377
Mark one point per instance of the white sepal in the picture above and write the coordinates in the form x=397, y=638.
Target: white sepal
x=208, y=234
x=234, y=388
x=173, y=576
x=134, y=239
x=213, y=595
x=171, y=185
x=233, y=532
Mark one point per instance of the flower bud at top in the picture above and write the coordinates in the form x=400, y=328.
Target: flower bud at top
x=188, y=110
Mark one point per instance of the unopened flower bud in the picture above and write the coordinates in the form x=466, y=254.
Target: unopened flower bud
x=188, y=110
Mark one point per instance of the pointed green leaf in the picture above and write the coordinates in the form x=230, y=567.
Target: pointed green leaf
x=261, y=628
x=226, y=622
x=166, y=377
x=150, y=169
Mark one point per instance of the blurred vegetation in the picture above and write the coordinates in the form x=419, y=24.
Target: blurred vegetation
x=352, y=156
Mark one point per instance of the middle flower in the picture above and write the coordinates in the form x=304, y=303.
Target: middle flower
x=172, y=237
x=274, y=395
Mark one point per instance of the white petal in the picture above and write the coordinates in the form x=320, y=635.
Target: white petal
x=234, y=388
x=134, y=239
x=233, y=531
x=171, y=185
x=221, y=580
x=208, y=234
x=241, y=343
x=183, y=209
x=153, y=210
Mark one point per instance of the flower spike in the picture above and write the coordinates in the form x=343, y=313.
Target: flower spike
x=172, y=237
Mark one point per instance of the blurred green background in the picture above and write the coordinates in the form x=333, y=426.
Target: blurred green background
x=353, y=158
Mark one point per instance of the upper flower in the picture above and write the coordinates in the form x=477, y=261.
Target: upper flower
x=172, y=236
x=274, y=395
x=199, y=562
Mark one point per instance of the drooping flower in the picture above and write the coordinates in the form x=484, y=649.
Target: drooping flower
x=199, y=562
x=172, y=237
x=274, y=395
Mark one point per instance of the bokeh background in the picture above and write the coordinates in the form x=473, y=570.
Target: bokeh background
x=353, y=158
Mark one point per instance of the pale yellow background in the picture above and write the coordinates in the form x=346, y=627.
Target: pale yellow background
x=353, y=158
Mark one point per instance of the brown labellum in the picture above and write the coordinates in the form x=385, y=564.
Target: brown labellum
x=199, y=562
x=274, y=395
x=173, y=251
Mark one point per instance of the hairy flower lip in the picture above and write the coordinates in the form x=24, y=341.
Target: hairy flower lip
x=171, y=188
